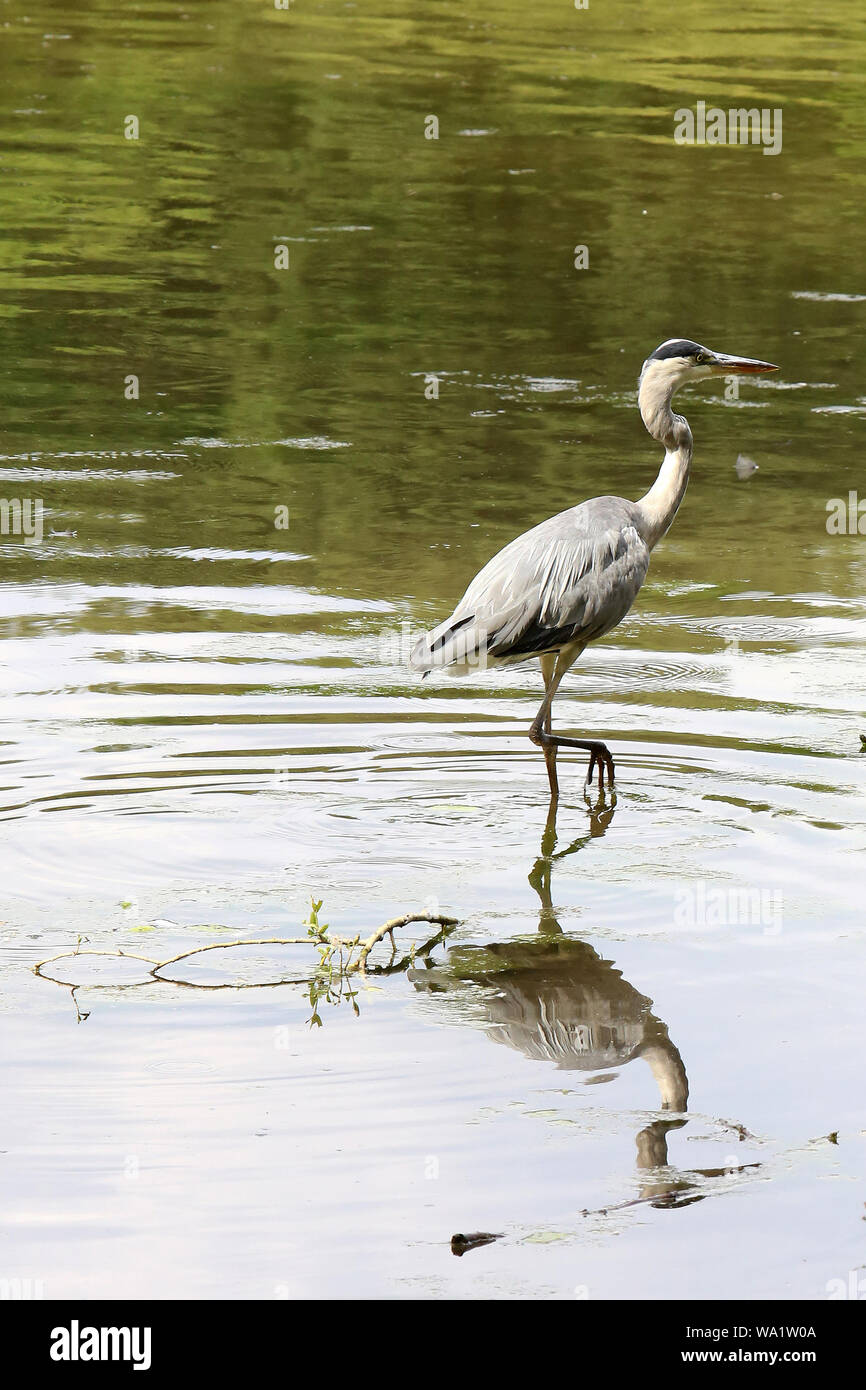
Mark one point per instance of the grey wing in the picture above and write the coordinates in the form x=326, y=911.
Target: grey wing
x=571, y=579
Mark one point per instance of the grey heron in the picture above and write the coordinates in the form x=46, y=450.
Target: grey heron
x=573, y=578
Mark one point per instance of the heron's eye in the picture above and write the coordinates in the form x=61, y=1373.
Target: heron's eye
x=701, y=357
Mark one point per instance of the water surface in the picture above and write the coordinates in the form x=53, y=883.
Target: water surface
x=207, y=718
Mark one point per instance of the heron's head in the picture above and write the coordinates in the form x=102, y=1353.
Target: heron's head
x=679, y=360
x=676, y=362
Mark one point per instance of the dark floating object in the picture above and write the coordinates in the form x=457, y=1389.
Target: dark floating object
x=863, y=740
x=745, y=466
x=460, y=1243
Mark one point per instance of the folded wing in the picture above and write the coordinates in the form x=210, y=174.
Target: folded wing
x=571, y=579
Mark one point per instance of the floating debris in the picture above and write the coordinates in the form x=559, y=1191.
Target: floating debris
x=745, y=466
x=828, y=298
x=460, y=1243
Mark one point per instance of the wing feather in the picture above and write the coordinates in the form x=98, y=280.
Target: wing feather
x=570, y=579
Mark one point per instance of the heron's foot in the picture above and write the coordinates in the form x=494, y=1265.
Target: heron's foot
x=599, y=753
x=600, y=757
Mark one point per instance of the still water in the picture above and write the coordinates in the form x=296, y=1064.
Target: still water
x=207, y=719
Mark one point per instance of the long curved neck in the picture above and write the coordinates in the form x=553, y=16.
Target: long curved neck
x=659, y=506
x=668, y=1069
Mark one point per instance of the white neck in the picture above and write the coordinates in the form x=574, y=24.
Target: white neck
x=659, y=506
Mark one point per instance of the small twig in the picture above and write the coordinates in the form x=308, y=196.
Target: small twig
x=73, y=955
x=388, y=929
x=226, y=946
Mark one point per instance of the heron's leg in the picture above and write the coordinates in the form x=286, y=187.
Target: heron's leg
x=540, y=730
x=548, y=666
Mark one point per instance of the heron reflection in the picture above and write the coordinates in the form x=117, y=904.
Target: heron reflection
x=554, y=998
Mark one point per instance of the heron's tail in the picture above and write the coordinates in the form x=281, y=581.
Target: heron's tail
x=456, y=643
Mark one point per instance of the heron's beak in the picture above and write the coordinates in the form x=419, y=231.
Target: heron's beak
x=746, y=366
